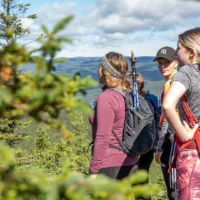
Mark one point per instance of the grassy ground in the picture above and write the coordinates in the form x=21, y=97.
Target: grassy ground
x=155, y=171
x=156, y=177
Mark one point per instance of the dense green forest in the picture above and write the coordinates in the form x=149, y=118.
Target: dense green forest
x=89, y=65
x=44, y=127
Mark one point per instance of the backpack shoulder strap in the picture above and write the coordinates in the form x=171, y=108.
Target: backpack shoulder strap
x=165, y=89
x=151, y=105
x=113, y=132
x=118, y=140
x=187, y=111
x=192, y=120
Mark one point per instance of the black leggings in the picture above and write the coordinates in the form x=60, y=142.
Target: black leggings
x=146, y=160
x=119, y=172
x=165, y=159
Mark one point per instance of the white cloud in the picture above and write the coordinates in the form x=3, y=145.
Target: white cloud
x=50, y=14
x=116, y=36
x=129, y=16
x=117, y=24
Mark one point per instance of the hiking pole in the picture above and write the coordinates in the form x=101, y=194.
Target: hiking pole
x=134, y=92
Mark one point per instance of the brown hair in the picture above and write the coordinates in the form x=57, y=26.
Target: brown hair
x=118, y=62
x=140, y=83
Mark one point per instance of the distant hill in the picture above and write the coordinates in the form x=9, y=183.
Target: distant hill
x=89, y=65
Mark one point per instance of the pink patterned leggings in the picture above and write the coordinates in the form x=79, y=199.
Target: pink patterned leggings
x=188, y=175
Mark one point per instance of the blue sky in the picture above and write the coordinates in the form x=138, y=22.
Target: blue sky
x=101, y=26
x=35, y=4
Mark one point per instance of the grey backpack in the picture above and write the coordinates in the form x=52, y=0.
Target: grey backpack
x=139, y=132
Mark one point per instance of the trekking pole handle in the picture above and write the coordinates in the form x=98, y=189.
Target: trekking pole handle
x=133, y=61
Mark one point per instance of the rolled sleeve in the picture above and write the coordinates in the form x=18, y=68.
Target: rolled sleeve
x=184, y=76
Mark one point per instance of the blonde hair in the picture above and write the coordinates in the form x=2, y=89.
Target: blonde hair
x=118, y=62
x=190, y=39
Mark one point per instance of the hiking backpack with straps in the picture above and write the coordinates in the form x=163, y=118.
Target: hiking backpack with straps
x=139, y=131
x=155, y=102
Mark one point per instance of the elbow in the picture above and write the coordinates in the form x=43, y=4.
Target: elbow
x=166, y=106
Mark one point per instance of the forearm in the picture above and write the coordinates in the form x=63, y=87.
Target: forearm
x=162, y=135
x=182, y=130
x=174, y=120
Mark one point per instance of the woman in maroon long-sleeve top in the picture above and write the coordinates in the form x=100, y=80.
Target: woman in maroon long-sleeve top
x=109, y=113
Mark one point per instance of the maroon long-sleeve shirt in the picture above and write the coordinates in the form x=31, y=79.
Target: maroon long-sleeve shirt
x=109, y=114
